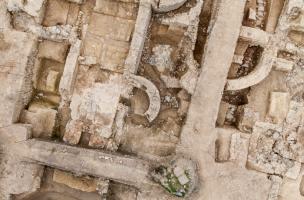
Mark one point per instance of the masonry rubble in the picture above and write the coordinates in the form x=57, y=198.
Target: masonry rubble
x=276, y=149
x=161, y=58
x=94, y=106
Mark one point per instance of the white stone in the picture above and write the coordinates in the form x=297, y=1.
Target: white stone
x=252, y=14
x=183, y=179
x=279, y=105
x=254, y=35
x=139, y=37
x=235, y=145
x=34, y=7
x=178, y=171
x=87, y=60
x=284, y=65
x=161, y=57
x=238, y=59
x=70, y=70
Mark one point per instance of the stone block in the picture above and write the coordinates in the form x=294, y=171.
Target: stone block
x=113, y=55
x=178, y=171
x=302, y=186
x=73, y=14
x=87, y=60
x=67, y=81
x=79, y=183
x=295, y=116
x=73, y=131
x=98, y=141
x=42, y=121
x=100, y=129
x=278, y=106
x=222, y=148
x=15, y=133
x=116, y=8
x=252, y=14
x=235, y=145
x=56, y=13
x=139, y=38
x=246, y=118
x=37, y=106
x=188, y=80
x=93, y=45
x=34, y=7
x=284, y=65
x=51, y=81
x=256, y=36
x=183, y=179
x=239, y=148
x=238, y=59
x=111, y=27
x=53, y=50
x=221, y=117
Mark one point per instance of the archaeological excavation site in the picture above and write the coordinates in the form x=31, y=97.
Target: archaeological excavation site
x=152, y=99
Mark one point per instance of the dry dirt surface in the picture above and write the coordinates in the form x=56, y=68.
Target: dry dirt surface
x=152, y=99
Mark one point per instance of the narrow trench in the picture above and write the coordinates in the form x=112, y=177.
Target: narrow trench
x=202, y=34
